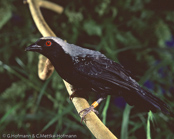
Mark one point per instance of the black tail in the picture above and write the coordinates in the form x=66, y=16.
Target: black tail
x=145, y=100
x=156, y=103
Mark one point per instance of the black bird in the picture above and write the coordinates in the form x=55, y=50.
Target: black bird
x=90, y=70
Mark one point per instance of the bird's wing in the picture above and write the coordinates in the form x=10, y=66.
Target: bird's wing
x=101, y=68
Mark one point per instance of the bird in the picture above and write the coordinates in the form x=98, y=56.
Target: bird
x=91, y=70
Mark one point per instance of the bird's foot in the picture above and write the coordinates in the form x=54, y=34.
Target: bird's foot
x=86, y=111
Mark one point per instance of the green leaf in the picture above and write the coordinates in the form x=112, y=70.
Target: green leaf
x=104, y=113
x=5, y=15
x=125, y=122
x=74, y=17
x=163, y=33
x=150, y=118
x=102, y=7
x=92, y=28
x=8, y=113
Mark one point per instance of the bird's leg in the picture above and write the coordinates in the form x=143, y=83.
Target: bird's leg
x=91, y=108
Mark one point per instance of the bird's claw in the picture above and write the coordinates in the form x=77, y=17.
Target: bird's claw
x=86, y=111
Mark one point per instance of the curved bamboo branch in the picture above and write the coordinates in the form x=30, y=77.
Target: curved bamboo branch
x=94, y=124
x=51, y=6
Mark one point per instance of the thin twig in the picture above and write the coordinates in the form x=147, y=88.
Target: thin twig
x=94, y=124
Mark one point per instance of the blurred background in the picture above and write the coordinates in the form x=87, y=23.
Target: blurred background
x=138, y=34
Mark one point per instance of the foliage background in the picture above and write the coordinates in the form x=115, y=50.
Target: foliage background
x=138, y=34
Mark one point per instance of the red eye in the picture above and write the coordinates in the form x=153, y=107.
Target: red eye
x=48, y=43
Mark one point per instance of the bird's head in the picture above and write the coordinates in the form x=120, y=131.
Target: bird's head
x=47, y=46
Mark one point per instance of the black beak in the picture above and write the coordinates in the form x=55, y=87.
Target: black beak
x=34, y=47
